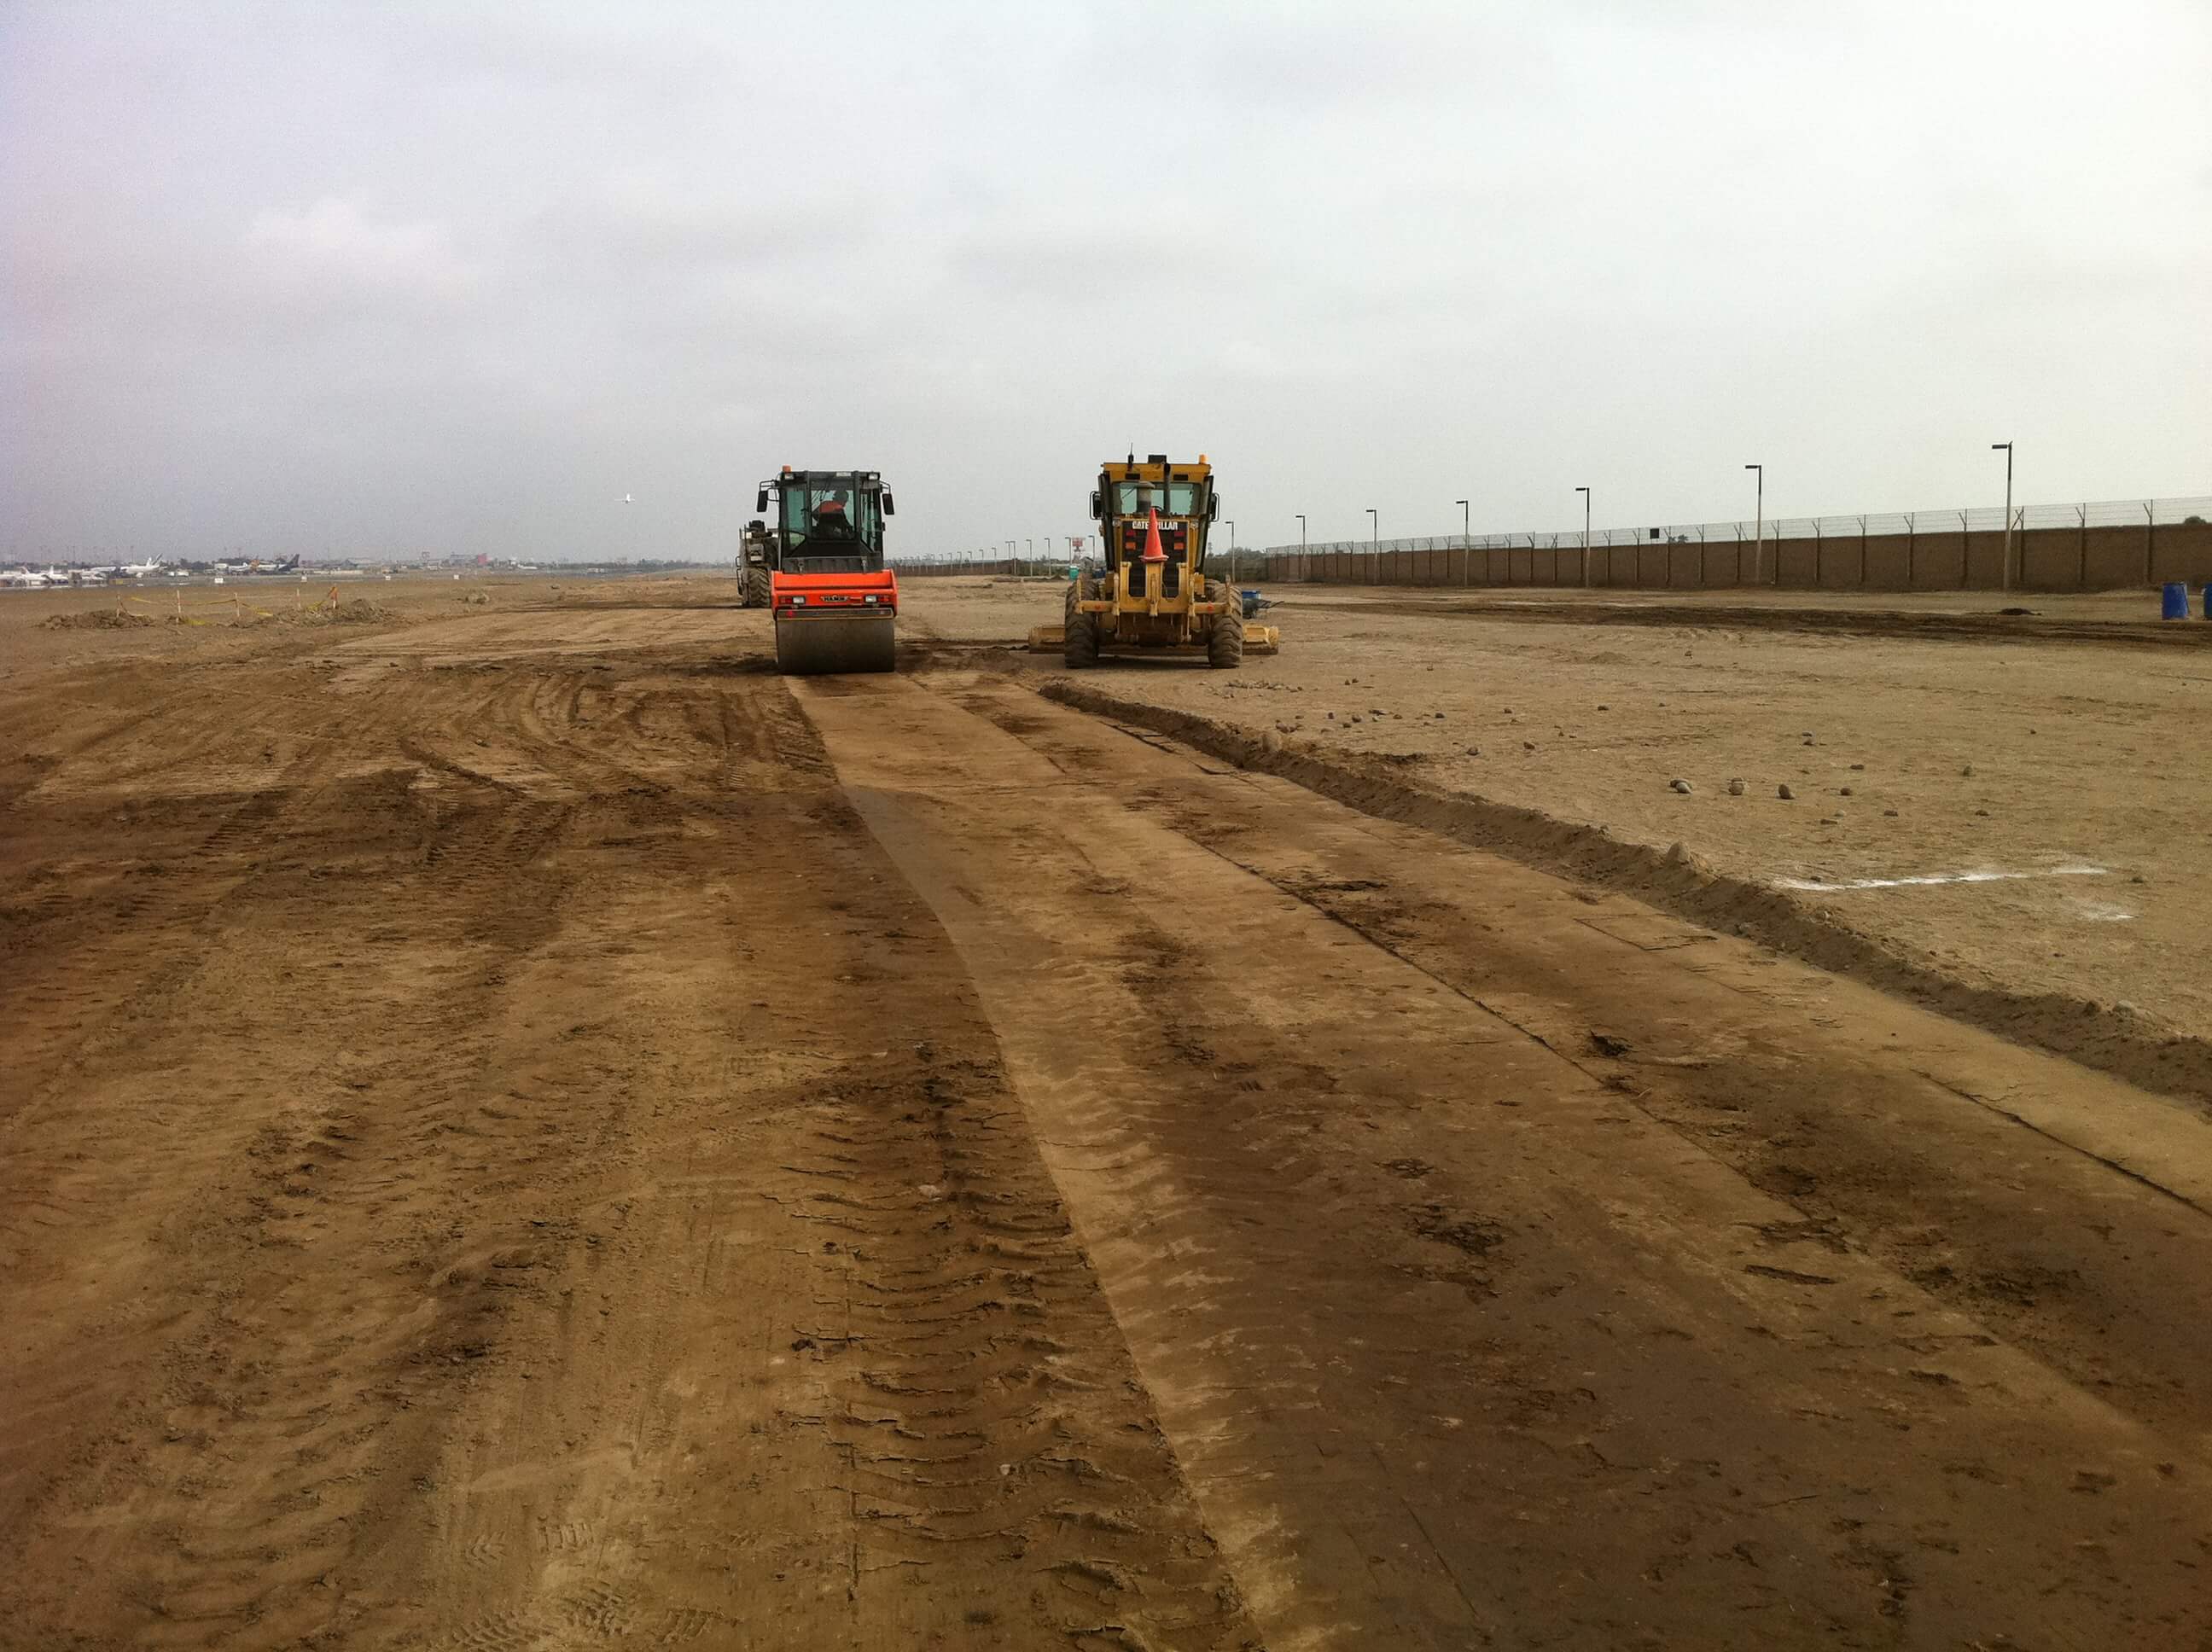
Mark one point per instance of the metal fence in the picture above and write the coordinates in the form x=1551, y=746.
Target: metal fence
x=1973, y=519
x=2109, y=544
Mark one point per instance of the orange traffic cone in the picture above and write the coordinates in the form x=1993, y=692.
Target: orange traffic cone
x=1153, y=551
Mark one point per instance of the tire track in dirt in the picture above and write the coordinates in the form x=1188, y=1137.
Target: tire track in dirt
x=111, y=946
x=2109, y=1037
x=439, y=1259
x=1795, y=1079
x=262, y=1414
x=1452, y=1341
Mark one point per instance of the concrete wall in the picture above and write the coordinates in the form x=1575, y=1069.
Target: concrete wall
x=1929, y=558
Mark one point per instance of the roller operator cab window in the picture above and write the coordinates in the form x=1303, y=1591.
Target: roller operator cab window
x=1174, y=499
x=852, y=518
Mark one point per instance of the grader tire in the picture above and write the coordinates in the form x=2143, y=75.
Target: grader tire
x=1078, y=648
x=756, y=588
x=1225, y=639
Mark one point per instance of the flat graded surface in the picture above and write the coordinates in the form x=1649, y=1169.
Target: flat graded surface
x=2072, y=769
x=525, y=1129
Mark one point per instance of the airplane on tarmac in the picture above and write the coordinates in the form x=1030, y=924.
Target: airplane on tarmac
x=133, y=570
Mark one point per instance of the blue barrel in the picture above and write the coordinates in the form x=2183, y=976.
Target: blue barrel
x=2176, y=605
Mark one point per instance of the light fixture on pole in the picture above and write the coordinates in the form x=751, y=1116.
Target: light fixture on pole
x=1585, y=492
x=1374, y=529
x=1759, y=528
x=1301, y=535
x=1465, y=542
x=2005, y=577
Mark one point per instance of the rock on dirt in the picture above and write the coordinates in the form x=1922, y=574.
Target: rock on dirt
x=1681, y=786
x=1783, y=792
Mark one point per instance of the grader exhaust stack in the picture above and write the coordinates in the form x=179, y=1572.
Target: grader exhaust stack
x=834, y=602
x=1153, y=596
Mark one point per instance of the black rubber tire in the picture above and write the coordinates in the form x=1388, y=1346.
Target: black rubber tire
x=755, y=589
x=1224, y=638
x=1079, y=647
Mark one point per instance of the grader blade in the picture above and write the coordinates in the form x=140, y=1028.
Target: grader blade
x=1258, y=640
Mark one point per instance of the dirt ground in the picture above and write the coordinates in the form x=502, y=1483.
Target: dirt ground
x=2061, y=767
x=525, y=1129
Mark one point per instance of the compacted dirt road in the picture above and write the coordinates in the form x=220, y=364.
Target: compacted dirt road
x=531, y=1130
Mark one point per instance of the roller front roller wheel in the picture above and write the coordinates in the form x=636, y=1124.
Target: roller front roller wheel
x=819, y=648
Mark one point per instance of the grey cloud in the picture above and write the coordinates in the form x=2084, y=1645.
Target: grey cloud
x=301, y=274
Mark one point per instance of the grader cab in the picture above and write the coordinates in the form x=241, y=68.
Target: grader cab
x=1152, y=595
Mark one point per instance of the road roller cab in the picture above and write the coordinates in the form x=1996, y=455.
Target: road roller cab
x=834, y=602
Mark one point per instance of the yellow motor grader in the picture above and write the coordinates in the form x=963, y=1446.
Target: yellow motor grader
x=1152, y=594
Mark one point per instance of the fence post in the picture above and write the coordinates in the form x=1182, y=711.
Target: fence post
x=2081, y=513
x=1912, y=543
x=1862, y=553
x=2150, y=544
x=1816, y=553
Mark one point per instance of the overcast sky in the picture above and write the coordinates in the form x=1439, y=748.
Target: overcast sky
x=390, y=277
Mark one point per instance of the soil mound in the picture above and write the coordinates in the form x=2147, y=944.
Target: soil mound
x=359, y=611
x=95, y=619
x=362, y=611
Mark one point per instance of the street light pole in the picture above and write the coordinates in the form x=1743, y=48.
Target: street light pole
x=2005, y=577
x=1301, y=535
x=1465, y=542
x=1585, y=492
x=1231, y=526
x=1759, y=526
